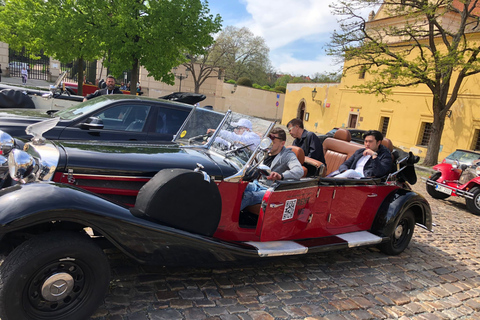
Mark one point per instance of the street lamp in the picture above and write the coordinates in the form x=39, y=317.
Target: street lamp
x=314, y=93
x=180, y=77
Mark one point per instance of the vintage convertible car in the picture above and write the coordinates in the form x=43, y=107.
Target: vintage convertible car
x=457, y=180
x=173, y=204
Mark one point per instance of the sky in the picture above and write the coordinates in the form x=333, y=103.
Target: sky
x=296, y=31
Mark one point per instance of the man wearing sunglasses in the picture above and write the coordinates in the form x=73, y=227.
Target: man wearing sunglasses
x=308, y=141
x=283, y=163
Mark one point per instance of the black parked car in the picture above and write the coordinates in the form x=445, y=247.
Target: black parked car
x=357, y=134
x=173, y=204
x=112, y=117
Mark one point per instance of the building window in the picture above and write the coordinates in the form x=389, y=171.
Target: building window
x=425, y=133
x=476, y=140
x=361, y=75
x=384, y=125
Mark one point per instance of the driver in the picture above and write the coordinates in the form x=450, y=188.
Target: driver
x=284, y=165
x=242, y=133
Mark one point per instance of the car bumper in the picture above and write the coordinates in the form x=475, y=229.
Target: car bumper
x=447, y=189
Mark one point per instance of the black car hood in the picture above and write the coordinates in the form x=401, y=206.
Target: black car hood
x=138, y=160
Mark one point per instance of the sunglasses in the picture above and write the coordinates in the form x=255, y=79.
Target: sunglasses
x=272, y=137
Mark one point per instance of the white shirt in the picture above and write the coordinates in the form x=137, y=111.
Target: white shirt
x=361, y=164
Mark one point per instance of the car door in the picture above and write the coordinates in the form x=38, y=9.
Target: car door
x=125, y=121
x=353, y=206
x=288, y=210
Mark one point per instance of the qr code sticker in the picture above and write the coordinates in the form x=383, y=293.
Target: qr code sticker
x=289, y=209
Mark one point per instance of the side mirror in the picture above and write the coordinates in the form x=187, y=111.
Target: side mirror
x=265, y=144
x=92, y=123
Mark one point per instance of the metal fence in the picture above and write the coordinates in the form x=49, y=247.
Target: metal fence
x=38, y=67
x=89, y=71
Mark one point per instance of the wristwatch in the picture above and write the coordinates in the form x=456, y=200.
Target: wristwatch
x=374, y=155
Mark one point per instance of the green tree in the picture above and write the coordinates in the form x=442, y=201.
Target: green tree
x=431, y=46
x=67, y=30
x=242, y=54
x=156, y=34
x=327, y=77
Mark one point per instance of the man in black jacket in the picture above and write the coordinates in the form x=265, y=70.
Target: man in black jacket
x=373, y=161
x=308, y=141
x=110, y=89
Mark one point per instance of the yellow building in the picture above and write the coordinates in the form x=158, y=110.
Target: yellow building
x=406, y=120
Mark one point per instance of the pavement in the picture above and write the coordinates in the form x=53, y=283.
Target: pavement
x=32, y=83
x=437, y=277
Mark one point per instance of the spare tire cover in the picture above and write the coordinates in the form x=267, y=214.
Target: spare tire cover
x=10, y=98
x=182, y=199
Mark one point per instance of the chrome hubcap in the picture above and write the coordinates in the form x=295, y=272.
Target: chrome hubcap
x=398, y=231
x=57, y=286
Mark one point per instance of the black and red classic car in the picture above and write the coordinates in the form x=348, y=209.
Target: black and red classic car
x=63, y=201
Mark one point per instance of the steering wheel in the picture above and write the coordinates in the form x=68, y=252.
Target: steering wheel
x=200, y=137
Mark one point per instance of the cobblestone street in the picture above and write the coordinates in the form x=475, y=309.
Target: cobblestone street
x=437, y=277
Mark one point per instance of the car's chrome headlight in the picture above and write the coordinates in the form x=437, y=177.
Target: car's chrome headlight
x=455, y=164
x=21, y=166
x=6, y=143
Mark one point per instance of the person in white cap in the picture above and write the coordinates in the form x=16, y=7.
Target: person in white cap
x=242, y=133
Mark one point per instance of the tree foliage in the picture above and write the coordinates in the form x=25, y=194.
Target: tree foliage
x=67, y=30
x=431, y=46
x=241, y=54
x=155, y=34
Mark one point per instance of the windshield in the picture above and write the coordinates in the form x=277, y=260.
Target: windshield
x=464, y=157
x=81, y=109
x=233, y=135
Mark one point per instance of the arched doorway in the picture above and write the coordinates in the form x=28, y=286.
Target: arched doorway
x=301, y=110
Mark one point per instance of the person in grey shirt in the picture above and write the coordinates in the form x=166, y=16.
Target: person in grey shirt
x=284, y=165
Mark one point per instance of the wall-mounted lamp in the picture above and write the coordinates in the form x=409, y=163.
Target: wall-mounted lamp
x=449, y=113
x=314, y=93
x=234, y=88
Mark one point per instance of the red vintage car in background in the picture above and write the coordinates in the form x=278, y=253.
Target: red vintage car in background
x=72, y=88
x=458, y=176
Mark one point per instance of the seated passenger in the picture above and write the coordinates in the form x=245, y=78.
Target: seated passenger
x=308, y=141
x=242, y=133
x=373, y=161
x=284, y=165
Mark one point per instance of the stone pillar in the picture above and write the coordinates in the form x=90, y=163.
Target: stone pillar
x=4, y=59
x=55, y=69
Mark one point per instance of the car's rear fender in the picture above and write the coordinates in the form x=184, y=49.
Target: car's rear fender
x=394, y=206
x=24, y=207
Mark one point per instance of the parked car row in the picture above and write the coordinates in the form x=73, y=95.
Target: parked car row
x=168, y=203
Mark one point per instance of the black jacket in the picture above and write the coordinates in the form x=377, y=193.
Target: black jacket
x=311, y=145
x=101, y=92
x=377, y=167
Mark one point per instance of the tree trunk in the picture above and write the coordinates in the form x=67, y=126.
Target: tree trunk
x=433, y=147
x=134, y=80
x=80, y=76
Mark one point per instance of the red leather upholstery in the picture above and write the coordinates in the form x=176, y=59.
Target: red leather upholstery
x=338, y=149
x=300, y=156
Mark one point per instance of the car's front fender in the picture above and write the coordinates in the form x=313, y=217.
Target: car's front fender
x=24, y=205
x=448, y=172
x=393, y=207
